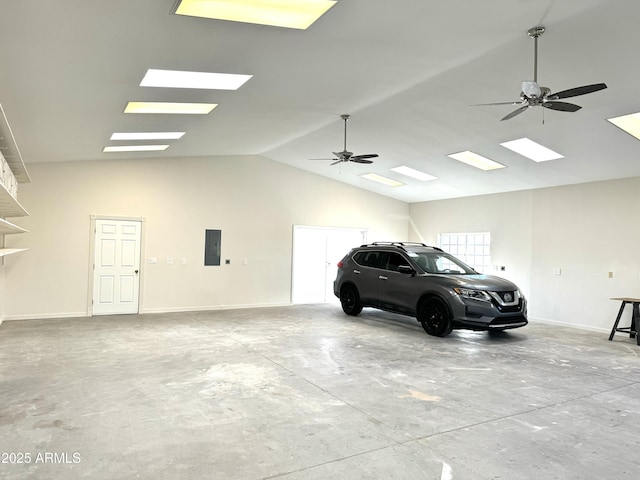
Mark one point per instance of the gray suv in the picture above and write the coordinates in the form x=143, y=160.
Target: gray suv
x=438, y=289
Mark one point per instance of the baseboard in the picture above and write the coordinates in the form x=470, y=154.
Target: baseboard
x=569, y=325
x=44, y=316
x=211, y=308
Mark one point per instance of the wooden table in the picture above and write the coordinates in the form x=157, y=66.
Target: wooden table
x=632, y=329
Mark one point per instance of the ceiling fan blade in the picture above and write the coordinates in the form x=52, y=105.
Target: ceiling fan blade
x=366, y=155
x=321, y=159
x=358, y=159
x=337, y=161
x=574, y=92
x=515, y=112
x=562, y=106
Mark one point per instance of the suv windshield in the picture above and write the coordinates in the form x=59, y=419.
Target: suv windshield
x=441, y=262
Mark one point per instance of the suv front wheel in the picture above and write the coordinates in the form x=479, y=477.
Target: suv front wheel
x=350, y=300
x=434, y=316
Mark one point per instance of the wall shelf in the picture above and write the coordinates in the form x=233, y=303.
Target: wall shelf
x=9, y=206
x=10, y=151
x=8, y=227
x=8, y=251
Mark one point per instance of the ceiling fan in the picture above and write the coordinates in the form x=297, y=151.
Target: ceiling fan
x=533, y=95
x=345, y=155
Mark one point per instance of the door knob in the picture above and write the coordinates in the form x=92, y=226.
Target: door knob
x=136, y=271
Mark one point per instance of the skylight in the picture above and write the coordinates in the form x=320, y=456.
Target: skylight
x=135, y=148
x=475, y=160
x=172, y=108
x=383, y=180
x=532, y=150
x=629, y=123
x=300, y=14
x=203, y=80
x=417, y=174
x=146, y=135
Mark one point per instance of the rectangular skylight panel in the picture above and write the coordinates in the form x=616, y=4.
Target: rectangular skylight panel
x=299, y=14
x=147, y=135
x=475, y=160
x=532, y=150
x=413, y=173
x=170, y=108
x=202, y=80
x=383, y=180
x=135, y=148
x=629, y=123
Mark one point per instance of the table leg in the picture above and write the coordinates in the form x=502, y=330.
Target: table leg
x=635, y=319
x=615, y=325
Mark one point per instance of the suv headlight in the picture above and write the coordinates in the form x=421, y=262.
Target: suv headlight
x=474, y=294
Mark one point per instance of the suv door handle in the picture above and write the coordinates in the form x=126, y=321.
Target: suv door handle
x=356, y=271
x=382, y=277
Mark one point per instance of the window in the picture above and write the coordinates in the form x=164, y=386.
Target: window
x=474, y=249
x=393, y=261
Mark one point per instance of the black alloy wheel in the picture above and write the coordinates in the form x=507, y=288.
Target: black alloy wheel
x=350, y=300
x=434, y=316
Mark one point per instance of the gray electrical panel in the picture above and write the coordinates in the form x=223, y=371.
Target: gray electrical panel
x=212, y=240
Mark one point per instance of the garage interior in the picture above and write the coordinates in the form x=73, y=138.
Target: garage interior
x=220, y=372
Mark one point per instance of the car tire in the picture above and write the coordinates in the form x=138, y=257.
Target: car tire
x=434, y=316
x=350, y=300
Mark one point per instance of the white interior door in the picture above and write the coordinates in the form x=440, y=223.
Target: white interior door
x=116, y=285
x=316, y=253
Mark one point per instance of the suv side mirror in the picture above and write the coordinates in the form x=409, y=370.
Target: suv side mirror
x=406, y=269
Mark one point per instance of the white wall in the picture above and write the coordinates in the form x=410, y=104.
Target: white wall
x=585, y=230
x=254, y=201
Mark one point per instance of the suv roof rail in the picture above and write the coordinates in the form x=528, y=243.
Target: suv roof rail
x=399, y=244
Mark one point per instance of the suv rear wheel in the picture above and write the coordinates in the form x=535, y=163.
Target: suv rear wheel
x=434, y=316
x=350, y=300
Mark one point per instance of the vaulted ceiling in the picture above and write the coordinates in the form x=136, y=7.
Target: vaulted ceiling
x=407, y=71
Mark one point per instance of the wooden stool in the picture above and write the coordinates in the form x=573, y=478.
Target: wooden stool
x=632, y=329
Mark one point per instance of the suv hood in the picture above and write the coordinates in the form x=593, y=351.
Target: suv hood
x=480, y=282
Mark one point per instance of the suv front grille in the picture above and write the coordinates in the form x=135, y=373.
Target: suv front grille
x=509, y=308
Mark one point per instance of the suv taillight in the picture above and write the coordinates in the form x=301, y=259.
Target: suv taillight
x=340, y=264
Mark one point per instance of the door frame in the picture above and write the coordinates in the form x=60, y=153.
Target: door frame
x=92, y=252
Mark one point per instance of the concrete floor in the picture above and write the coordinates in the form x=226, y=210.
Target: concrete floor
x=305, y=392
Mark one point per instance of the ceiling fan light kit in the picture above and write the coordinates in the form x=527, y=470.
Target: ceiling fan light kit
x=533, y=95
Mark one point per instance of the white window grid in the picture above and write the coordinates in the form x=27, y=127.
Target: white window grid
x=474, y=249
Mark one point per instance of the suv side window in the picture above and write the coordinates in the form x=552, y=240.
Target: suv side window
x=391, y=261
x=368, y=258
